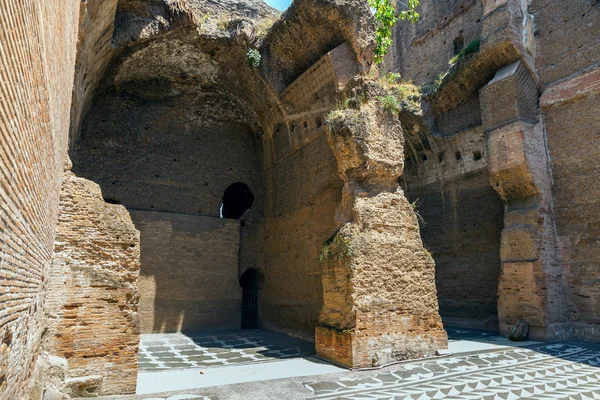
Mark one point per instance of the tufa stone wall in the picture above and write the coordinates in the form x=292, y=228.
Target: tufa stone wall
x=92, y=301
x=380, y=301
x=37, y=43
x=189, y=277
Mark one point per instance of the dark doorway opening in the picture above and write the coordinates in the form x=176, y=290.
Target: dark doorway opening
x=250, y=283
x=236, y=200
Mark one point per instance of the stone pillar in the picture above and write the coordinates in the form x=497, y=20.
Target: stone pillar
x=92, y=301
x=531, y=285
x=380, y=301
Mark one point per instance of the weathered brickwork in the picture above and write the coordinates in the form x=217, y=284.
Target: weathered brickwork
x=379, y=298
x=37, y=59
x=189, y=276
x=164, y=112
x=573, y=129
x=527, y=148
x=92, y=300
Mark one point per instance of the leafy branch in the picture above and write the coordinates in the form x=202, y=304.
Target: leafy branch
x=385, y=18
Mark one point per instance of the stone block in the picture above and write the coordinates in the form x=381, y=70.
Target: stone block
x=54, y=394
x=511, y=96
x=85, y=386
x=519, y=331
x=519, y=243
x=334, y=345
x=510, y=173
x=520, y=296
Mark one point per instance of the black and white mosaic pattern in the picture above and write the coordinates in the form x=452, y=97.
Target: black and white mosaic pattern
x=182, y=397
x=219, y=348
x=551, y=371
x=473, y=335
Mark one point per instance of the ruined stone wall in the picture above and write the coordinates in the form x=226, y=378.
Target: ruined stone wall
x=302, y=192
x=535, y=156
x=447, y=180
x=94, y=54
x=380, y=300
x=189, y=277
x=169, y=159
x=159, y=154
x=92, y=301
x=431, y=41
x=37, y=43
x=568, y=66
x=461, y=224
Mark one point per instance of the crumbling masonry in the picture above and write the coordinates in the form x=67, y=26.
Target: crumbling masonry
x=473, y=200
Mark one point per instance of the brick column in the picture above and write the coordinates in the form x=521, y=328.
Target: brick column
x=531, y=285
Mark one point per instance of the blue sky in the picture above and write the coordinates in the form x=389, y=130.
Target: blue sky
x=281, y=5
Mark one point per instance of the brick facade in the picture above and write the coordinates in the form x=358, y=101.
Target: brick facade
x=37, y=43
x=189, y=276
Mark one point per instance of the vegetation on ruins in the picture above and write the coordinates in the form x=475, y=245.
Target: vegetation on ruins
x=396, y=95
x=415, y=206
x=336, y=248
x=402, y=94
x=473, y=47
x=253, y=57
x=385, y=18
x=346, y=108
x=430, y=89
x=390, y=103
x=428, y=253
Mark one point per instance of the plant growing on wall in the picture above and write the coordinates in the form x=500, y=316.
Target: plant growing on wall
x=253, y=57
x=385, y=18
x=390, y=103
x=335, y=248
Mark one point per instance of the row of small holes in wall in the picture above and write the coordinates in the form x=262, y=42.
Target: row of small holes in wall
x=476, y=157
x=318, y=124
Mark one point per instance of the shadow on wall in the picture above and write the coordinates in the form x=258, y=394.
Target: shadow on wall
x=190, y=269
x=251, y=283
x=189, y=277
x=461, y=225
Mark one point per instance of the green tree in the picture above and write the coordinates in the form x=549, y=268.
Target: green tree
x=385, y=18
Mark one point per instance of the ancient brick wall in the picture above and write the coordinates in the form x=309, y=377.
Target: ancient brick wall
x=302, y=192
x=461, y=224
x=435, y=38
x=462, y=217
x=94, y=53
x=568, y=65
x=176, y=156
x=189, y=278
x=162, y=155
x=37, y=41
x=92, y=300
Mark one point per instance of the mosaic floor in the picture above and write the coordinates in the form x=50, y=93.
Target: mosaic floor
x=219, y=348
x=540, y=371
x=555, y=371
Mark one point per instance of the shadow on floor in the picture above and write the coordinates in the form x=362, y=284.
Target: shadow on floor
x=205, y=349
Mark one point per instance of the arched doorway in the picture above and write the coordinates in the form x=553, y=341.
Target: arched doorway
x=236, y=200
x=250, y=283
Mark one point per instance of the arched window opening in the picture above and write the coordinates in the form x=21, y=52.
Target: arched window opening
x=236, y=200
x=250, y=283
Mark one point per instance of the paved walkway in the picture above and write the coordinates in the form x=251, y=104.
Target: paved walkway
x=481, y=366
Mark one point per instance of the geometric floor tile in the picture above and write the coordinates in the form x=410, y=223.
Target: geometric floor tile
x=547, y=371
x=164, y=351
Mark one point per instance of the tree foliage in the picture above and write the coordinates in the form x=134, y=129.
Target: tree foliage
x=385, y=18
